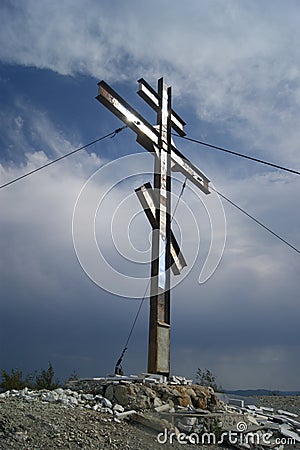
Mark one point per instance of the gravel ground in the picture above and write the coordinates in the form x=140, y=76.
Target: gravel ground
x=49, y=426
x=291, y=403
x=37, y=425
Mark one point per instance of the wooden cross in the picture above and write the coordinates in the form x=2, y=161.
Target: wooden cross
x=166, y=254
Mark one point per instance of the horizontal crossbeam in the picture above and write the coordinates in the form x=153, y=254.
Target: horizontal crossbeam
x=149, y=202
x=147, y=135
x=151, y=97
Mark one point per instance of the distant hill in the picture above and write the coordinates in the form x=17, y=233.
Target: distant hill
x=260, y=392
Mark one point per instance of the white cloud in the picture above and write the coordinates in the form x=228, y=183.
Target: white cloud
x=37, y=212
x=234, y=60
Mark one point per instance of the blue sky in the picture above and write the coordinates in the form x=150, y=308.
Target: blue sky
x=234, y=68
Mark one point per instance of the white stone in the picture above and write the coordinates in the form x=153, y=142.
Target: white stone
x=50, y=396
x=162, y=408
x=286, y=431
x=287, y=413
x=63, y=398
x=154, y=376
x=124, y=414
x=264, y=408
x=72, y=401
x=252, y=419
x=151, y=381
x=157, y=402
x=106, y=403
x=183, y=427
x=190, y=420
x=118, y=408
x=252, y=407
x=87, y=397
x=261, y=417
x=30, y=398
x=293, y=422
x=60, y=391
x=5, y=394
x=237, y=402
x=106, y=410
x=69, y=392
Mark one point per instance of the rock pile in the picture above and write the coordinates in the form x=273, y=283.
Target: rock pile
x=148, y=395
x=175, y=408
x=188, y=408
x=191, y=408
x=281, y=427
x=66, y=397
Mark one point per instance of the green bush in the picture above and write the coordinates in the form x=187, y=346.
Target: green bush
x=46, y=379
x=15, y=380
x=207, y=378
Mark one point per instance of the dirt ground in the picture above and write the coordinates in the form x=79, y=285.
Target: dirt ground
x=48, y=426
x=37, y=425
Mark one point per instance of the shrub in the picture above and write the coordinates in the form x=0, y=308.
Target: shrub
x=46, y=379
x=14, y=380
x=207, y=378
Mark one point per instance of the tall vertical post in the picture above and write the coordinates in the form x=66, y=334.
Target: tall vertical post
x=157, y=202
x=159, y=322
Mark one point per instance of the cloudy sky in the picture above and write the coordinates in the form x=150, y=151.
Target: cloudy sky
x=235, y=71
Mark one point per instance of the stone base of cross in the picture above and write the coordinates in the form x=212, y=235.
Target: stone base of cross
x=166, y=255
